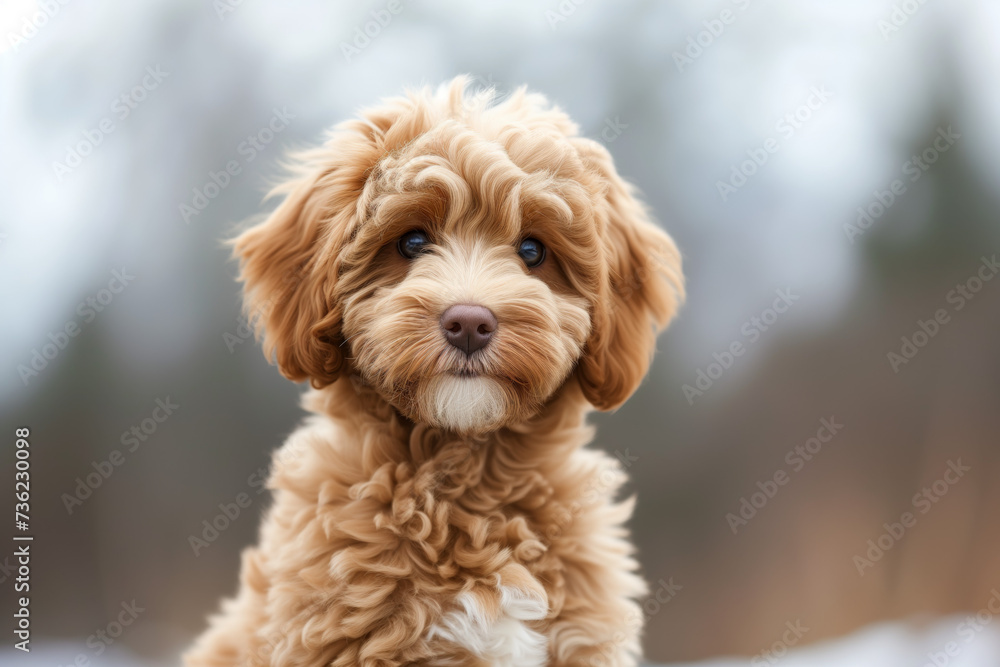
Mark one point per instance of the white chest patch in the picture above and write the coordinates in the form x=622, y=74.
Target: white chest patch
x=501, y=638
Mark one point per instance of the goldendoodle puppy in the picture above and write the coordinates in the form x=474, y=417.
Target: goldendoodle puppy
x=460, y=280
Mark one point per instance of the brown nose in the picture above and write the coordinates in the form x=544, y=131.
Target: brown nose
x=468, y=327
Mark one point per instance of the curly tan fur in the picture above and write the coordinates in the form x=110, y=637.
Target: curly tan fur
x=439, y=508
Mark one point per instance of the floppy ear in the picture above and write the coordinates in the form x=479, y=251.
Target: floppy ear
x=640, y=289
x=290, y=263
x=288, y=268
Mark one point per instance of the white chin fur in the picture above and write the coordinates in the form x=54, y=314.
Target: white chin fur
x=465, y=403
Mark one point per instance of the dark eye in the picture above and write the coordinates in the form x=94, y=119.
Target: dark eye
x=412, y=244
x=532, y=252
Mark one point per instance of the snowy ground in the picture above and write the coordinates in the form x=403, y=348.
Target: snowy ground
x=971, y=644
x=955, y=641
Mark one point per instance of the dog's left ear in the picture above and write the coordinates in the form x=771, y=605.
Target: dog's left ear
x=641, y=287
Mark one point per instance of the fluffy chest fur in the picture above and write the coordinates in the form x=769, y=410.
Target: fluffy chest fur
x=412, y=546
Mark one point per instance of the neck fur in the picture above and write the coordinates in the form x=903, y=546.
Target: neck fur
x=375, y=442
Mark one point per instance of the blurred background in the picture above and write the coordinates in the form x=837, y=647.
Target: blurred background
x=815, y=449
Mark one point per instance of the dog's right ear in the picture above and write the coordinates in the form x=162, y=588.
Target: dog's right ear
x=642, y=289
x=288, y=266
x=289, y=263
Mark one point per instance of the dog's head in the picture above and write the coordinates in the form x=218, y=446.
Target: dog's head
x=463, y=258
